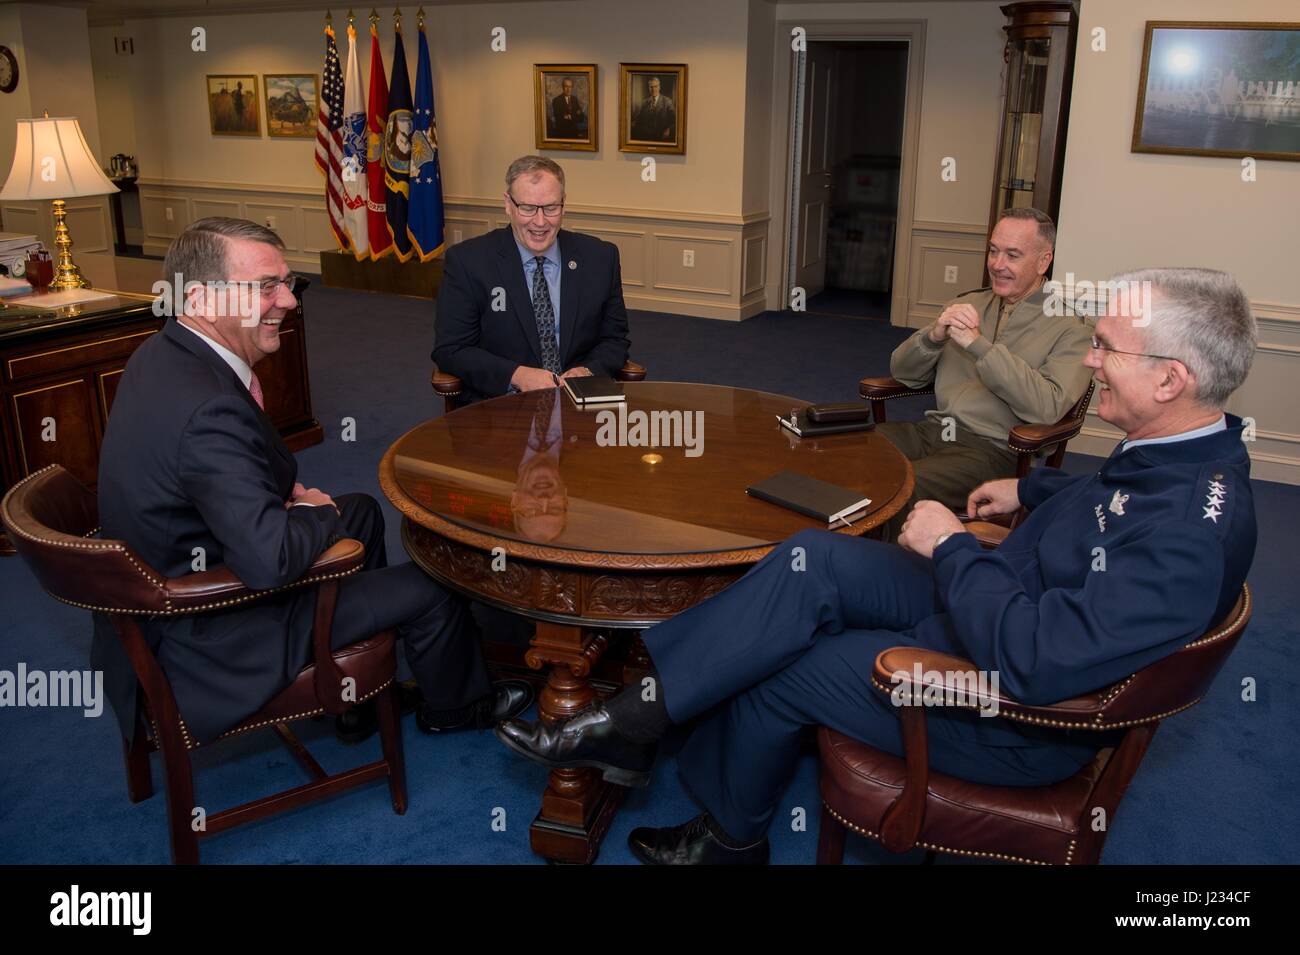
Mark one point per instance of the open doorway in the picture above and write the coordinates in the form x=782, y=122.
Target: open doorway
x=850, y=108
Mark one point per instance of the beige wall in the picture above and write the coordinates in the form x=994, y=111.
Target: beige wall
x=1122, y=210
x=959, y=105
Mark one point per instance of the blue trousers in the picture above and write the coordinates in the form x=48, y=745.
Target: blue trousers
x=792, y=644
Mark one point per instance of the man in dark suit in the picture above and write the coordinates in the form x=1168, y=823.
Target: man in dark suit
x=522, y=305
x=655, y=120
x=194, y=476
x=568, y=118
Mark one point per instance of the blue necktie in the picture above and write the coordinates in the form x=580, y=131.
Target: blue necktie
x=544, y=313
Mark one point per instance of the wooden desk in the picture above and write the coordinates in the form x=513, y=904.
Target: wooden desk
x=59, y=371
x=521, y=502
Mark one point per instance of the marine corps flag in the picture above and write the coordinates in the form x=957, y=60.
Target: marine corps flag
x=397, y=150
x=424, y=221
x=377, y=223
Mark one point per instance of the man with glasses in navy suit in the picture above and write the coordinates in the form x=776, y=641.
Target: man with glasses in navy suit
x=526, y=305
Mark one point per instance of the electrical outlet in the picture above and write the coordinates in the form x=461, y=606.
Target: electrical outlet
x=455, y=235
x=950, y=274
x=167, y=210
x=270, y=222
x=688, y=258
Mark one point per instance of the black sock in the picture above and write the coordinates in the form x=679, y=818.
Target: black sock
x=641, y=720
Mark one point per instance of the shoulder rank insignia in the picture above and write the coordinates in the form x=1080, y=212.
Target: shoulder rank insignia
x=1214, y=501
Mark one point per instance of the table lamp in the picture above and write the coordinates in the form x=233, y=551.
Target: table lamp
x=52, y=161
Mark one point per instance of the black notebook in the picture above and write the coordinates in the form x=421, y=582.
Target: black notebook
x=594, y=390
x=807, y=495
x=811, y=429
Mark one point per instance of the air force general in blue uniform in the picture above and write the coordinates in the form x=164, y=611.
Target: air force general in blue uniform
x=1109, y=573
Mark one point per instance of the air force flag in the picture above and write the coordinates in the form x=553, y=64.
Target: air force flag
x=425, y=218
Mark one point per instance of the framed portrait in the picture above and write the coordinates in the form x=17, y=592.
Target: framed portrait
x=652, y=108
x=565, y=105
x=233, y=106
x=1219, y=89
x=291, y=105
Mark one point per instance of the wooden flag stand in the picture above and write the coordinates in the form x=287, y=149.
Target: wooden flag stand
x=413, y=277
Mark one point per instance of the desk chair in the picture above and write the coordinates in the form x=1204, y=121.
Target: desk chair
x=52, y=519
x=903, y=804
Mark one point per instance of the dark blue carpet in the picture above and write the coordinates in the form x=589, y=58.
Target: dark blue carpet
x=1218, y=784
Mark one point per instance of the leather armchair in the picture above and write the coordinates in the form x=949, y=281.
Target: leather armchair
x=1027, y=440
x=449, y=387
x=904, y=804
x=52, y=520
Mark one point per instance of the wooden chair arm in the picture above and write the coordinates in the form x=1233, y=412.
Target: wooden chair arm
x=631, y=371
x=215, y=589
x=955, y=679
x=988, y=533
x=1033, y=438
x=448, y=386
x=881, y=389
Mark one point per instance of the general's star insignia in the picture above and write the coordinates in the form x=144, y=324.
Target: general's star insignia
x=1216, y=496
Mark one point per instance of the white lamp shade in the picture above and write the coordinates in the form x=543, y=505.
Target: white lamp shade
x=52, y=161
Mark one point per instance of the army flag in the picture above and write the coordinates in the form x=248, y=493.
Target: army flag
x=377, y=223
x=425, y=218
x=329, y=139
x=397, y=151
x=353, y=178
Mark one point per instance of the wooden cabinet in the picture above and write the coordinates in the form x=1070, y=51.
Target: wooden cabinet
x=59, y=372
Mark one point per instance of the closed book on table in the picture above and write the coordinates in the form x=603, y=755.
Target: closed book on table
x=594, y=390
x=812, y=497
x=812, y=429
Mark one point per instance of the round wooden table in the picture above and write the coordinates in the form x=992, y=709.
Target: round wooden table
x=600, y=523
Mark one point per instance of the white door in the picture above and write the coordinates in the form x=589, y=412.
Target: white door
x=814, y=172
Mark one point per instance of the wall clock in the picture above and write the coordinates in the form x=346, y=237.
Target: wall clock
x=8, y=70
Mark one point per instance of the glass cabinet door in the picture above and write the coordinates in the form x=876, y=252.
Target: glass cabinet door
x=1023, y=123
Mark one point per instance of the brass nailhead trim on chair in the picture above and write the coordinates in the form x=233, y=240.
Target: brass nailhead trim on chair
x=240, y=730
x=1069, y=854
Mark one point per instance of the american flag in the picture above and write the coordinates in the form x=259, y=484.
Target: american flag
x=329, y=141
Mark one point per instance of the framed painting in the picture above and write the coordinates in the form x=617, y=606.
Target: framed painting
x=1219, y=89
x=233, y=106
x=565, y=104
x=652, y=108
x=291, y=105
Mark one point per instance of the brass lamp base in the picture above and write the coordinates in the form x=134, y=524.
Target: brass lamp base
x=66, y=274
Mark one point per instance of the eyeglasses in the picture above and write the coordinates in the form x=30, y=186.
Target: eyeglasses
x=1098, y=346
x=271, y=286
x=530, y=210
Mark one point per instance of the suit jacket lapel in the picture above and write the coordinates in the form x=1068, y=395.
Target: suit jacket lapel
x=284, y=459
x=518, y=297
x=570, y=290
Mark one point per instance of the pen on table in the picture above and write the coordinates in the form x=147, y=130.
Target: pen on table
x=555, y=379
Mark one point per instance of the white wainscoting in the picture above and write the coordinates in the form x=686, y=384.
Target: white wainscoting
x=728, y=280
x=936, y=245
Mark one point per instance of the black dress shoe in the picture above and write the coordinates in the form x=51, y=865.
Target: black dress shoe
x=588, y=739
x=692, y=843
x=360, y=722
x=507, y=700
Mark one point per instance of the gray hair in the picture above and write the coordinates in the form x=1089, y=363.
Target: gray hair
x=531, y=165
x=1046, y=227
x=198, y=254
x=1202, y=317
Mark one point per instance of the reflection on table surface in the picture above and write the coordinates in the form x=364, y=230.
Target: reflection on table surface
x=666, y=473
